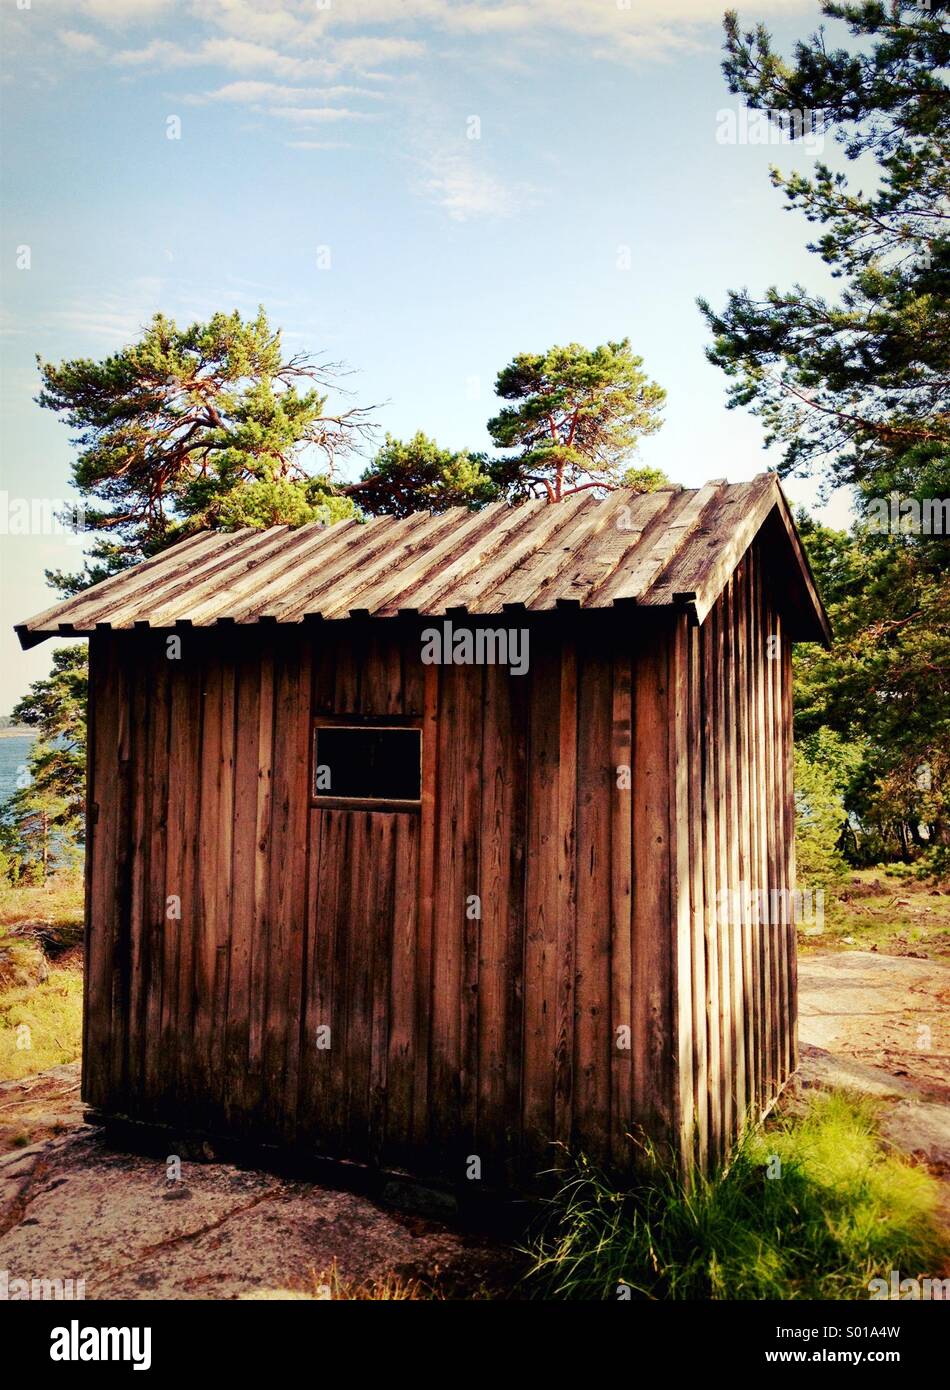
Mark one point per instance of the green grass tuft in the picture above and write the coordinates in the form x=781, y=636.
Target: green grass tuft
x=842, y=1210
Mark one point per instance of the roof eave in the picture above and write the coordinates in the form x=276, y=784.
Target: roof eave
x=810, y=622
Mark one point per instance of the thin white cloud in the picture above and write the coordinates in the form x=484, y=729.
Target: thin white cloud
x=235, y=55
x=269, y=23
x=255, y=93
x=465, y=190
x=657, y=45
x=371, y=52
x=109, y=317
x=313, y=115
x=494, y=19
x=318, y=144
x=80, y=43
x=238, y=55
x=116, y=318
x=158, y=53
x=121, y=13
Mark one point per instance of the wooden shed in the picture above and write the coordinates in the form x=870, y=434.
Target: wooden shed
x=408, y=840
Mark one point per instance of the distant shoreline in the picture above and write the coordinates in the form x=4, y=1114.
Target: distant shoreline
x=17, y=731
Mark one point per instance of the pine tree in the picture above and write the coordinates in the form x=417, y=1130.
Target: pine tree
x=417, y=474
x=857, y=387
x=212, y=425
x=579, y=415
x=43, y=820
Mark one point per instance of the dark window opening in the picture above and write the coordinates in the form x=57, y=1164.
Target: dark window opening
x=367, y=764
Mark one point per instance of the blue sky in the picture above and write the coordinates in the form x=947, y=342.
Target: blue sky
x=597, y=203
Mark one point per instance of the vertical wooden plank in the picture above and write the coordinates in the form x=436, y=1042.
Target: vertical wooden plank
x=775, y=834
x=748, y=1018
x=727, y=1018
x=373, y=673
x=788, y=727
x=261, y=916
x=577, y=996
x=326, y=639
x=710, y=894
x=470, y=733
x=324, y=1044
x=402, y=1008
x=224, y=884
x=542, y=893
x=155, y=906
x=680, y=924
x=448, y=929
x=316, y=1013
x=238, y=1103
x=782, y=897
x=786, y=831
x=203, y=932
x=370, y=844
x=294, y=900
x=140, y=842
x=413, y=672
x=289, y=811
x=349, y=664
x=181, y=721
x=737, y=1025
x=121, y=878
x=381, y=942
x=765, y=830
x=496, y=832
x=276, y=880
x=620, y=797
x=428, y=844
x=776, y=942
x=758, y=724
x=181, y=1038
x=518, y=762
x=453, y=1044
x=768, y=846
x=697, y=900
x=593, y=1046
x=653, y=1037
x=102, y=762
x=91, y=816
x=342, y=915
x=755, y=874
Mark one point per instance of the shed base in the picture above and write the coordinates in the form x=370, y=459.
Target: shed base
x=486, y=1210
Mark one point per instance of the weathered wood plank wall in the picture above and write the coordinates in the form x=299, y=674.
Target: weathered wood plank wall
x=231, y=922
x=736, y=1022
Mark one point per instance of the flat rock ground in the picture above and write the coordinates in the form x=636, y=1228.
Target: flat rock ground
x=881, y=1024
x=70, y=1207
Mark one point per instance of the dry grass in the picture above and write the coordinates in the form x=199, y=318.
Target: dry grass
x=40, y=976
x=888, y=910
x=331, y=1285
x=58, y=905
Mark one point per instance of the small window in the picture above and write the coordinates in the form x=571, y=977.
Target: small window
x=366, y=763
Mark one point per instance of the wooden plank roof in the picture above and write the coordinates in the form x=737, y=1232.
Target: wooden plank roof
x=677, y=546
